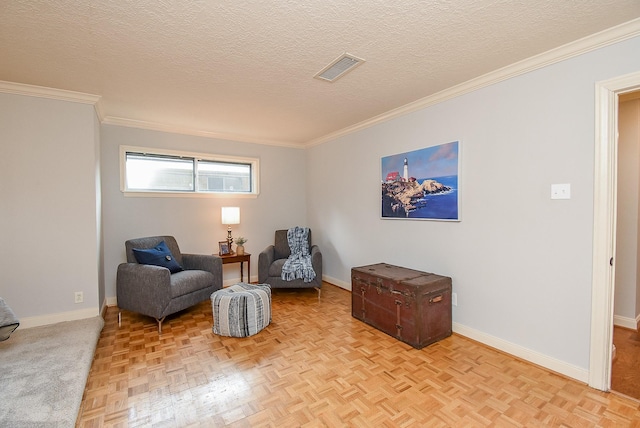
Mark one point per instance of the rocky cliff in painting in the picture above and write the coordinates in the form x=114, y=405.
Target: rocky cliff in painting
x=401, y=197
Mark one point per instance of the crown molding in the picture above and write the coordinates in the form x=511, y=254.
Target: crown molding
x=586, y=44
x=590, y=43
x=95, y=100
x=44, y=92
x=100, y=110
x=153, y=126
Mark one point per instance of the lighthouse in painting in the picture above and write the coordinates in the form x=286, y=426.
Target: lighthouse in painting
x=405, y=173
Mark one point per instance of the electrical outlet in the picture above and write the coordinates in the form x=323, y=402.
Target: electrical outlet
x=561, y=191
x=454, y=299
x=79, y=297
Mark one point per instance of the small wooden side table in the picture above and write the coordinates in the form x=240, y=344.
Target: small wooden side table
x=234, y=258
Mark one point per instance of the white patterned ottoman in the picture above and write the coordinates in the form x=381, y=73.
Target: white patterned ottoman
x=241, y=310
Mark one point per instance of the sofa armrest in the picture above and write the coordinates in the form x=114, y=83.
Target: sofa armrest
x=209, y=263
x=266, y=257
x=8, y=320
x=145, y=289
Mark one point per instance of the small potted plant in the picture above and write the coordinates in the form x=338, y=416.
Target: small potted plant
x=240, y=246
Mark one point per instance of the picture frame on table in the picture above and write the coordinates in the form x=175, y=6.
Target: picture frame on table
x=224, y=248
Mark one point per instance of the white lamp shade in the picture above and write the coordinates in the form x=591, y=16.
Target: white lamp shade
x=230, y=215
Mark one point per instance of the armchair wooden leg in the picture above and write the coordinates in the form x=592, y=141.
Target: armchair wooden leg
x=160, y=324
x=119, y=319
x=319, y=291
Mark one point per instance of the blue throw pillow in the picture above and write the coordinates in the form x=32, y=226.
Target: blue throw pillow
x=159, y=256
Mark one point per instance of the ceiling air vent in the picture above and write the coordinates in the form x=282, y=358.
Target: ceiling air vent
x=339, y=67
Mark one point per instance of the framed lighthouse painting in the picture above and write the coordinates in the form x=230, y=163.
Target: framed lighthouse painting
x=422, y=184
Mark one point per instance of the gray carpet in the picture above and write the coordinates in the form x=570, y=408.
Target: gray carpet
x=43, y=372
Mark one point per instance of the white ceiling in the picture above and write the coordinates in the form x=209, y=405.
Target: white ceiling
x=244, y=69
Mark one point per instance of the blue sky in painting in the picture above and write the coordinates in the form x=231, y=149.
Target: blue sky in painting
x=435, y=161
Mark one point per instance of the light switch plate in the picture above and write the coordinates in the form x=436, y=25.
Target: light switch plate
x=561, y=191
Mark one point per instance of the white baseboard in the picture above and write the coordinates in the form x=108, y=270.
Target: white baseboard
x=231, y=281
x=534, y=357
x=626, y=322
x=39, y=320
x=510, y=348
x=503, y=345
x=337, y=282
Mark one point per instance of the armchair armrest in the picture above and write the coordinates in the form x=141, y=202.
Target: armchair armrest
x=145, y=289
x=209, y=263
x=265, y=259
x=316, y=261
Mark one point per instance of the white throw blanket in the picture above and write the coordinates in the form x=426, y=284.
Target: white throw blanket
x=298, y=265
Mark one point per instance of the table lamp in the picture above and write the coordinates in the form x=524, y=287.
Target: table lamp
x=230, y=215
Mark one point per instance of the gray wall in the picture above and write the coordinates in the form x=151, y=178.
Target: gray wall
x=521, y=263
x=48, y=212
x=195, y=221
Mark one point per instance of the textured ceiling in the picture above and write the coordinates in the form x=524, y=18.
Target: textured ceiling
x=244, y=69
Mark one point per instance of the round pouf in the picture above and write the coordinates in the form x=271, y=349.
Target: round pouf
x=241, y=310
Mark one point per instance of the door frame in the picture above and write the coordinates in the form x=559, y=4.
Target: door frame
x=604, y=225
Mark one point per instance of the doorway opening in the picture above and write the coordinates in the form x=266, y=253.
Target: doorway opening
x=625, y=367
x=604, y=225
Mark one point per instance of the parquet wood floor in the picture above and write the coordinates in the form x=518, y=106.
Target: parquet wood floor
x=316, y=366
x=625, y=370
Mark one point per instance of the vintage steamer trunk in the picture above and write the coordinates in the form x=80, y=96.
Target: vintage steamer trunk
x=410, y=305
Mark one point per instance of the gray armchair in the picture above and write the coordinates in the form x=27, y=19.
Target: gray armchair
x=271, y=260
x=156, y=292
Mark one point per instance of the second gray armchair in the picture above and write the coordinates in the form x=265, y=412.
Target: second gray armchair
x=272, y=259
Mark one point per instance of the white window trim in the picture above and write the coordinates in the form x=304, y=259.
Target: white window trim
x=255, y=174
